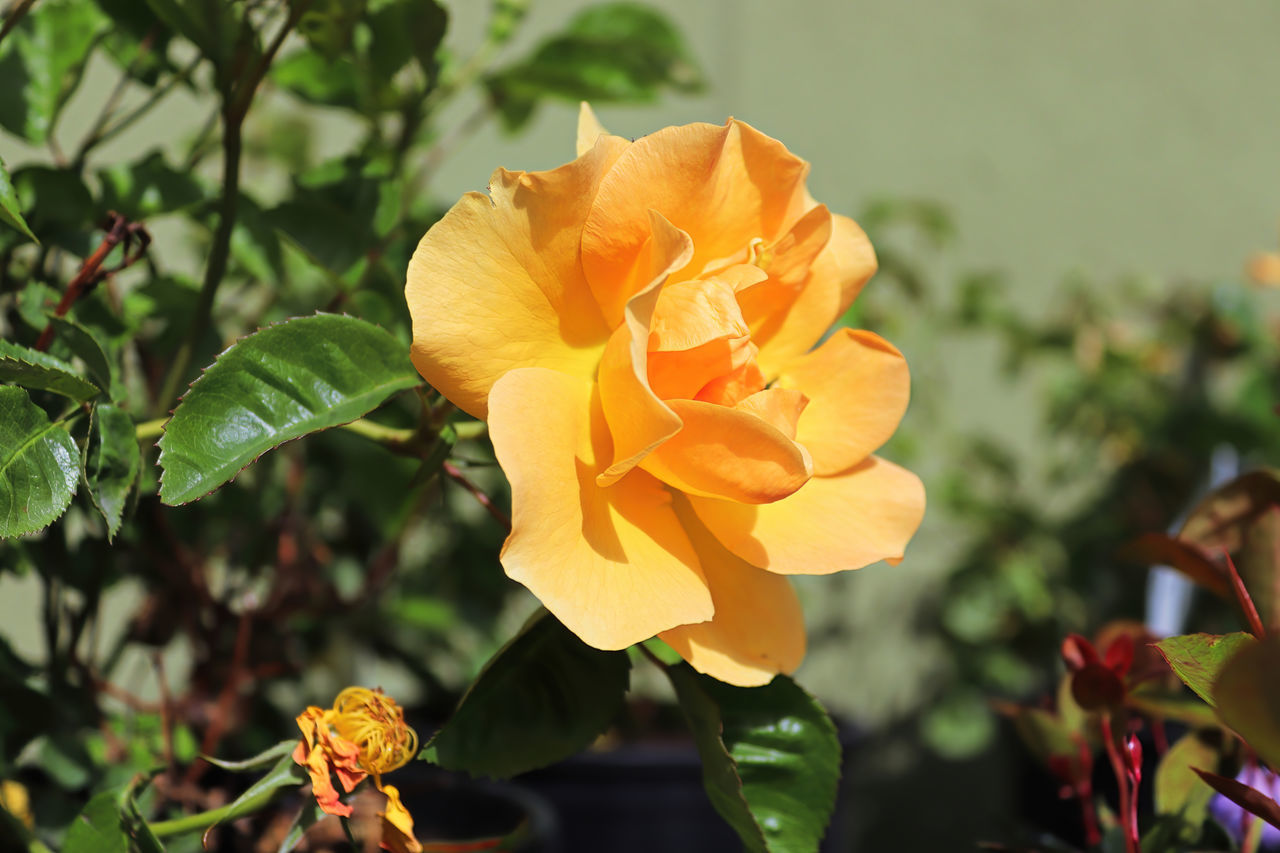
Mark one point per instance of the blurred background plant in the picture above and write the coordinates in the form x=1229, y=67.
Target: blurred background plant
x=161, y=634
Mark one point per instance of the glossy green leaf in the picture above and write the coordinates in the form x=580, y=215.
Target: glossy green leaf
x=612, y=53
x=1198, y=658
x=34, y=369
x=1247, y=694
x=278, y=384
x=770, y=758
x=1178, y=790
x=42, y=62
x=147, y=188
x=544, y=696
x=10, y=209
x=111, y=464
x=39, y=465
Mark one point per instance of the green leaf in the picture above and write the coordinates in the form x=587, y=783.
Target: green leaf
x=1178, y=790
x=1198, y=658
x=111, y=465
x=313, y=78
x=332, y=213
x=110, y=823
x=306, y=819
x=148, y=188
x=613, y=53
x=327, y=25
x=59, y=208
x=283, y=748
x=34, y=369
x=212, y=27
x=1247, y=695
x=278, y=384
x=404, y=30
x=10, y=210
x=39, y=465
x=543, y=697
x=75, y=339
x=285, y=773
x=43, y=61
x=770, y=758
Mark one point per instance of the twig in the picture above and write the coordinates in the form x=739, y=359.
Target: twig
x=16, y=13
x=119, y=230
x=461, y=479
x=166, y=713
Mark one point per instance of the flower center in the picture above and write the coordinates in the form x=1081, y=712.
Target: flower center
x=374, y=723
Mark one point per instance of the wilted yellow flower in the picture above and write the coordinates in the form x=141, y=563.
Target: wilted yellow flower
x=363, y=734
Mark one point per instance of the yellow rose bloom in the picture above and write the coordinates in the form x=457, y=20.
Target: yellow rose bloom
x=638, y=329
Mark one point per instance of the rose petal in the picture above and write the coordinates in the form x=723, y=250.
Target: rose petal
x=638, y=419
x=832, y=524
x=724, y=186
x=837, y=275
x=613, y=564
x=397, y=824
x=497, y=283
x=589, y=129
x=758, y=629
x=858, y=386
x=728, y=453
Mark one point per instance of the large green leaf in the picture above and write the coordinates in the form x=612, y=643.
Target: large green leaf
x=770, y=758
x=39, y=465
x=43, y=60
x=1198, y=658
x=404, y=30
x=10, y=209
x=74, y=339
x=544, y=696
x=616, y=52
x=111, y=465
x=34, y=369
x=278, y=384
x=1247, y=693
x=212, y=27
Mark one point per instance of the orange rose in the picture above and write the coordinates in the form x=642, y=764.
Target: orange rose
x=637, y=329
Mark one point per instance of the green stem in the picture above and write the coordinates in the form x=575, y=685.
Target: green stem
x=379, y=433
x=217, y=266
x=470, y=429
x=204, y=820
x=150, y=430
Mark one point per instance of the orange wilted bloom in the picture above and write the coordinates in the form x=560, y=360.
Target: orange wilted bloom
x=638, y=327
x=363, y=734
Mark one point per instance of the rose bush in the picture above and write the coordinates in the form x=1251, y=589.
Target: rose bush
x=637, y=327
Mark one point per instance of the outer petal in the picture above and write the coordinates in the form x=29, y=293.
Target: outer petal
x=724, y=186
x=835, y=278
x=397, y=824
x=858, y=386
x=497, y=283
x=638, y=419
x=590, y=130
x=833, y=524
x=729, y=453
x=758, y=629
x=613, y=564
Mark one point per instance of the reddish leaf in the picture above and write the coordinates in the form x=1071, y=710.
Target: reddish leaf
x=1250, y=799
x=1078, y=652
x=1119, y=655
x=1199, y=658
x=1097, y=688
x=1247, y=692
x=1192, y=560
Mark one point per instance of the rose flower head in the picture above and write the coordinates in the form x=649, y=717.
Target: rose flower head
x=364, y=734
x=640, y=329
